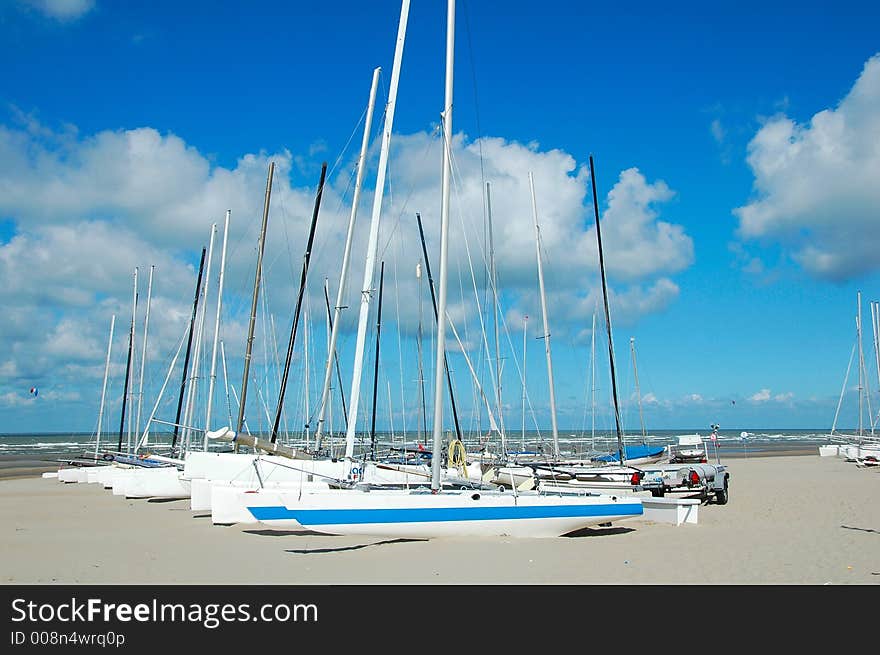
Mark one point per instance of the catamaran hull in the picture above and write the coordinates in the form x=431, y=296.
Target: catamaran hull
x=418, y=515
x=73, y=474
x=165, y=482
x=230, y=502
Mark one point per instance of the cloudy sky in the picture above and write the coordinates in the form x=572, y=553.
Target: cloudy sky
x=737, y=163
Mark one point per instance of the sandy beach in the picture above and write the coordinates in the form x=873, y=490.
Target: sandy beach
x=794, y=519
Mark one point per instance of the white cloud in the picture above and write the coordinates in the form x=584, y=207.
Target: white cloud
x=762, y=396
x=816, y=190
x=61, y=10
x=88, y=209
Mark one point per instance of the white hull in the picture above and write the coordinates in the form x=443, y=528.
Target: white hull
x=97, y=474
x=403, y=514
x=200, y=494
x=849, y=452
x=120, y=481
x=73, y=474
x=230, y=502
x=161, y=482
x=828, y=450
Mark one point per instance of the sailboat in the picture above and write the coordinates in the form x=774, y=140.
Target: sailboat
x=859, y=447
x=438, y=511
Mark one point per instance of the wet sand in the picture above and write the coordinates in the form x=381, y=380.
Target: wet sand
x=791, y=519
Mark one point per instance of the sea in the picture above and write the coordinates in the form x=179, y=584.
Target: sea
x=48, y=449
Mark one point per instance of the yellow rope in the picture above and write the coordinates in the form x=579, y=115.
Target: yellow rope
x=457, y=456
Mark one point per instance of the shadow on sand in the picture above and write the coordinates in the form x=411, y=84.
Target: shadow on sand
x=598, y=532
x=342, y=549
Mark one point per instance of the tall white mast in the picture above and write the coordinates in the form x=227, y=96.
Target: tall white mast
x=440, y=368
x=104, y=387
x=373, y=243
x=137, y=423
x=329, y=329
x=546, y=324
x=861, y=358
x=216, y=330
x=343, y=277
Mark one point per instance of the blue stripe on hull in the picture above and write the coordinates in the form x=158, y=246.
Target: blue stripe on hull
x=429, y=515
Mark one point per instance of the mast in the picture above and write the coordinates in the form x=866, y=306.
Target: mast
x=126, y=388
x=336, y=321
x=376, y=365
x=373, y=241
x=250, y=340
x=546, y=336
x=137, y=422
x=593, y=384
x=192, y=321
x=444, y=250
x=104, y=387
x=875, y=315
x=620, y=453
x=525, y=331
x=213, y=376
x=434, y=304
x=861, y=360
x=299, y=299
x=423, y=424
x=330, y=324
x=494, y=282
x=632, y=347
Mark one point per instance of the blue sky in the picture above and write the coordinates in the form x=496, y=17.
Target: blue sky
x=737, y=153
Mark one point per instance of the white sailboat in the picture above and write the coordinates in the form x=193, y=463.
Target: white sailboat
x=858, y=447
x=442, y=512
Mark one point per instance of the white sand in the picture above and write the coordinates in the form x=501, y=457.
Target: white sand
x=790, y=520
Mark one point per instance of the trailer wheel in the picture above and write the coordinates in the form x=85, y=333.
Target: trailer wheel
x=721, y=496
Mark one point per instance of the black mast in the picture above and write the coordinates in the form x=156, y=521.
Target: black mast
x=376, y=365
x=607, y=316
x=302, y=286
x=192, y=321
x=434, y=303
x=127, y=372
x=336, y=357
